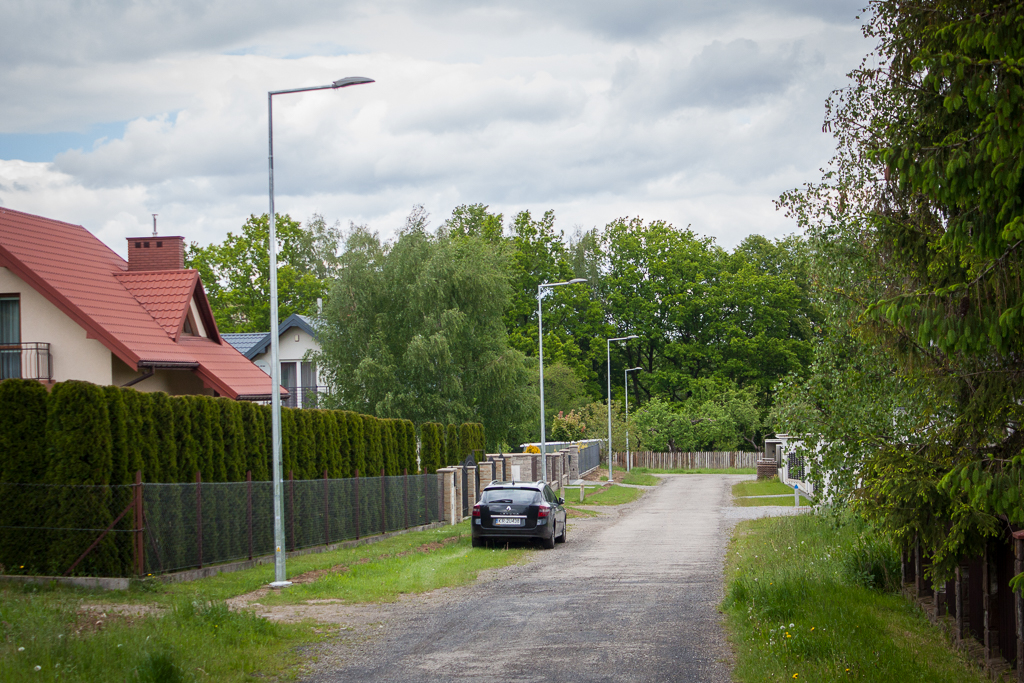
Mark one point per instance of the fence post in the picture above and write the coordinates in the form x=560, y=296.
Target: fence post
x=327, y=509
x=1018, y=601
x=990, y=634
x=140, y=549
x=405, y=480
x=291, y=503
x=357, y=505
x=248, y=515
x=199, y=516
x=958, y=603
x=383, y=505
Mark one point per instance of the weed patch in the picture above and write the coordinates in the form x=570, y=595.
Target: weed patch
x=640, y=479
x=609, y=495
x=807, y=599
x=766, y=487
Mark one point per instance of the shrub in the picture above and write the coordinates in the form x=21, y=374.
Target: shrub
x=78, y=434
x=357, y=444
x=409, y=447
x=162, y=414
x=257, y=441
x=452, y=447
x=188, y=448
x=431, y=446
x=372, y=443
x=23, y=459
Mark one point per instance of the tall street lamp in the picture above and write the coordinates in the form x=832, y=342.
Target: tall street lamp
x=542, y=290
x=625, y=383
x=632, y=336
x=280, y=577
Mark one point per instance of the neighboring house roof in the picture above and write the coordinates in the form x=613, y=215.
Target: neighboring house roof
x=137, y=315
x=243, y=341
x=262, y=339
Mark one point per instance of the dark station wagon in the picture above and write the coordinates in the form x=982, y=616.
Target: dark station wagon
x=519, y=510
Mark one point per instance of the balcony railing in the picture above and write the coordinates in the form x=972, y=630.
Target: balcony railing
x=28, y=360
x=304, y=397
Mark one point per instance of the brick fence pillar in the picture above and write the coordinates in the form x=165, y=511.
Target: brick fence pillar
x=446, y=477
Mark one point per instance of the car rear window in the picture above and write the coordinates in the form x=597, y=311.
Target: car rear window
x=513, y=496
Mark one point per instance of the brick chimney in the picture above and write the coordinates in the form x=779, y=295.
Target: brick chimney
x=156, y=253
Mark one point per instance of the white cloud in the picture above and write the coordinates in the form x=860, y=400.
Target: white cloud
x=690, y=112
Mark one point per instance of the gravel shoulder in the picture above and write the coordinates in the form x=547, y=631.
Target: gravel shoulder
x=632, y=595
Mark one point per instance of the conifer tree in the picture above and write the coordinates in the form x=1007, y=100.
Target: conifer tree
x=24, y=458
x=78, y=433
x=165, y=445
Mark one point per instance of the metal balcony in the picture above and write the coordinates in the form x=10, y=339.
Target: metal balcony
x=27, y=360
x=304, y=397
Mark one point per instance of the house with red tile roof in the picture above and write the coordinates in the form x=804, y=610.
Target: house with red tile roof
x=71, y=308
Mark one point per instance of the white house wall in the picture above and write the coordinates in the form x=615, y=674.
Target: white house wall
x=173, y=382
x=291, y=351
x=72, y=356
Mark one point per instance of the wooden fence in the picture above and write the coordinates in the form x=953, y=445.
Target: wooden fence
x=718, y=460
x=984, y=614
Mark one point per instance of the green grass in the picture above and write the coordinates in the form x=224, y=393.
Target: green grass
x=787, y=501
x=609, y=495
x=44, y=629
x=766, y=487
x=224, y=586
x=419, y=570
x=193, y=636
x=640, y=479
x=804, y=602
x=699, y=470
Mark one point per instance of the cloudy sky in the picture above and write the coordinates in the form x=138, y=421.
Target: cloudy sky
x=695, y=112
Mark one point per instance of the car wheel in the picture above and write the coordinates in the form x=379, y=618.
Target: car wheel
x=548, y=542
x=478, y=542
x=565, y=530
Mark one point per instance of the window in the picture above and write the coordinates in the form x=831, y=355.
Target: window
x=10, y=336
x=510, y=496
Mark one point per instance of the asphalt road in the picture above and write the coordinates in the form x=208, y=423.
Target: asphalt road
x=632, y=596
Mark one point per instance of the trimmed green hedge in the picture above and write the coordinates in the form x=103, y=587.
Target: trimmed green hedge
x=82, y=434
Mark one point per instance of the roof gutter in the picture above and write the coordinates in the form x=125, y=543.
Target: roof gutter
x=168, y=364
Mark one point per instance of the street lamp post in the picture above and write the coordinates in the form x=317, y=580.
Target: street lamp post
x=542, y=289
x=625, y=385
x=632, y=336
x=280, y=577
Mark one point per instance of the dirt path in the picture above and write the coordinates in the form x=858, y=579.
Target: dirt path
x=632, y=596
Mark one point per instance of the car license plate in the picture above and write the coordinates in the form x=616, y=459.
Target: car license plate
x=507, y=521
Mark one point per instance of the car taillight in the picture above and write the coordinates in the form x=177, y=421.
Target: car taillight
x=476, y=510
x=543, y=511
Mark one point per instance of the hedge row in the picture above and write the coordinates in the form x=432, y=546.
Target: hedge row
x=80, y=433
x=83, y=434
x=444, y=446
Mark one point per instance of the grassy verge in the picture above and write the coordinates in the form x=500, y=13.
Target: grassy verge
x=784, y=502
x=700, y=470
x=640, y=479
x=609, y=495
x=186, y=631
x=807, y=599
x=444, y=563
x=45, y=636
x=765, y=487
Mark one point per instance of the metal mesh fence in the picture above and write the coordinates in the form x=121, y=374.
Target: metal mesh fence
x=590, y=456
x=192, y=525
x=46, y=529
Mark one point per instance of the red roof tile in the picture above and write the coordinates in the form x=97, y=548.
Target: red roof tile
x=166, y=294
x=132, y=314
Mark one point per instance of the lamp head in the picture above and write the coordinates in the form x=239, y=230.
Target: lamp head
x=633, y=336
x=576, y=280
x=351, y=80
